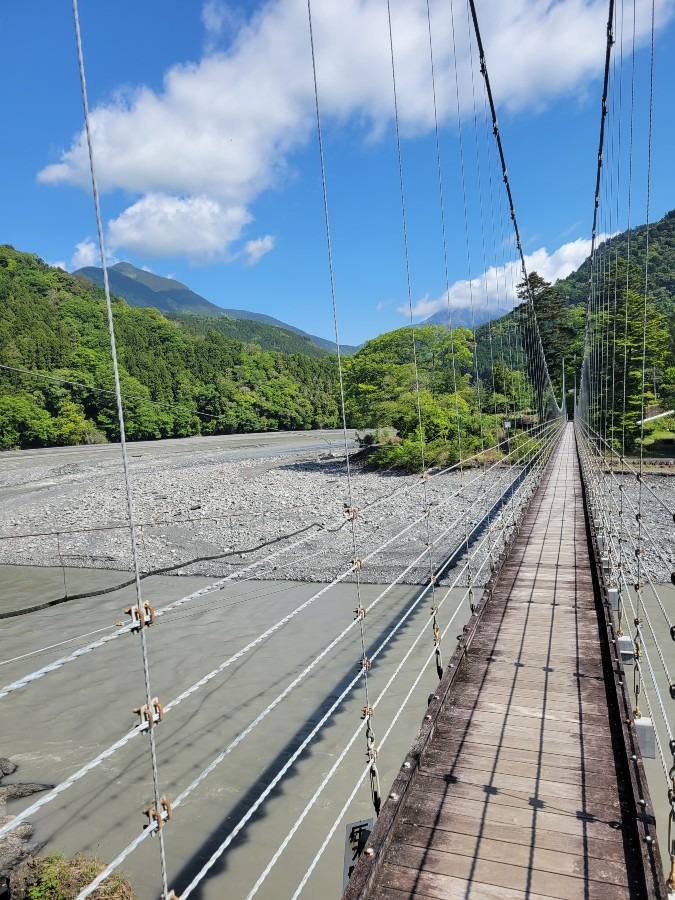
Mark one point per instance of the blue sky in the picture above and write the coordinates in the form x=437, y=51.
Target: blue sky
x=205, y=140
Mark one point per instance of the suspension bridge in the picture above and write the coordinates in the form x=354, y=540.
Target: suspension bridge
x=528, y=599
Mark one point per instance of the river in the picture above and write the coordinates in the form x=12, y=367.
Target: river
x=54, y=725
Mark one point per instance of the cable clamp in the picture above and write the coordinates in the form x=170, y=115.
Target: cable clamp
x=372, y=753
x=351, y=512
x=157, y=818
x=357, y=562
x=433, y=579
x=360, y=612
x=367, y=712
x=148, y=721
x=139, y=619
x=424, y=476
x=365, y=664
x=172, y=895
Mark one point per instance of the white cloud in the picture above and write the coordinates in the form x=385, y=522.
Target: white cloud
x=496, y=287
x=162, y=225
x=224, y=128
x=214, y=16
x=86, y=254
x=254, y=250
x=59, y=264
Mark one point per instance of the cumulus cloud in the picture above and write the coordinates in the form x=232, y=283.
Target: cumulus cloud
x=496, y=287
x=225, y=127
x=86, y=254
x=163, y=225
x=254, y=250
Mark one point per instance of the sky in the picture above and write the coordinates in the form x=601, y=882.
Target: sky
x=205, y=142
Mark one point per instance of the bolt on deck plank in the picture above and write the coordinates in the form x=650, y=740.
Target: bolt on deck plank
x=519, y=783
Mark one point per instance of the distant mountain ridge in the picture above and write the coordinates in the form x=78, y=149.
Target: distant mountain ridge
x=170, y=297
x=466, y=318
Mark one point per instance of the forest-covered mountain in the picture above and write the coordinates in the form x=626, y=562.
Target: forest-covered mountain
x=177, y=379
x=631, y=247
x=170, y=297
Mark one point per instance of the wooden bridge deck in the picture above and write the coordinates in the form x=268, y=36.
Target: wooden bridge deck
x=519, y=783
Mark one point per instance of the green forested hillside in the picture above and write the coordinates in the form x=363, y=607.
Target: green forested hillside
x=247, y=330
x=142, y=288
x=176, y=381
x=661, y=263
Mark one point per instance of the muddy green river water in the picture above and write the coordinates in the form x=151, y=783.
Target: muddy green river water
x=56, y=724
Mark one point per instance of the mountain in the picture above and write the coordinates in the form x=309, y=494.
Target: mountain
x=268, y=337
x=661, y=271
x=141, y=288
x=56, y=383
x=464, y=318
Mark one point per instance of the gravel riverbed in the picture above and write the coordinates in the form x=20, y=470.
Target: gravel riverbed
x=72, y=511
x=216, y=502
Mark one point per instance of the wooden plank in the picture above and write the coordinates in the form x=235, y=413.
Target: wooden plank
x=497, y=874
x=540, y=725
x=569, y=766
x=484, y=762
x=540, y=856
x=432, y=886
x=561, y=823
x=502, y=790
x=425, y=816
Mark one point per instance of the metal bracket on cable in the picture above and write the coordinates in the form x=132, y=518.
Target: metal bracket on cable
x=372, y=753
x=357, y=562
x=141, y=618
x=157, y=818
x=351, y=512
x=360, y=612
x=149, y=721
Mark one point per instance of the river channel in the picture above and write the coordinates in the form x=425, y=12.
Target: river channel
x=53, y=726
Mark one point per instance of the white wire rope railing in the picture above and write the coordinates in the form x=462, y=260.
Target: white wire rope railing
x=525, y=487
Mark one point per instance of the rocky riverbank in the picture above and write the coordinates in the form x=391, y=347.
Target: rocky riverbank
x=201, y=512
x=15, y=847
x=208, y=515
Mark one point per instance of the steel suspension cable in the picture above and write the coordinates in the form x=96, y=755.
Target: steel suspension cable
x=125, y=462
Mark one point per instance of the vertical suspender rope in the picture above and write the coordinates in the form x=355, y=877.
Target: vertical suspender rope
x=352, y=512
x=460, y=139
x=441, y=200
x=125, y=461
x=420, y=425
